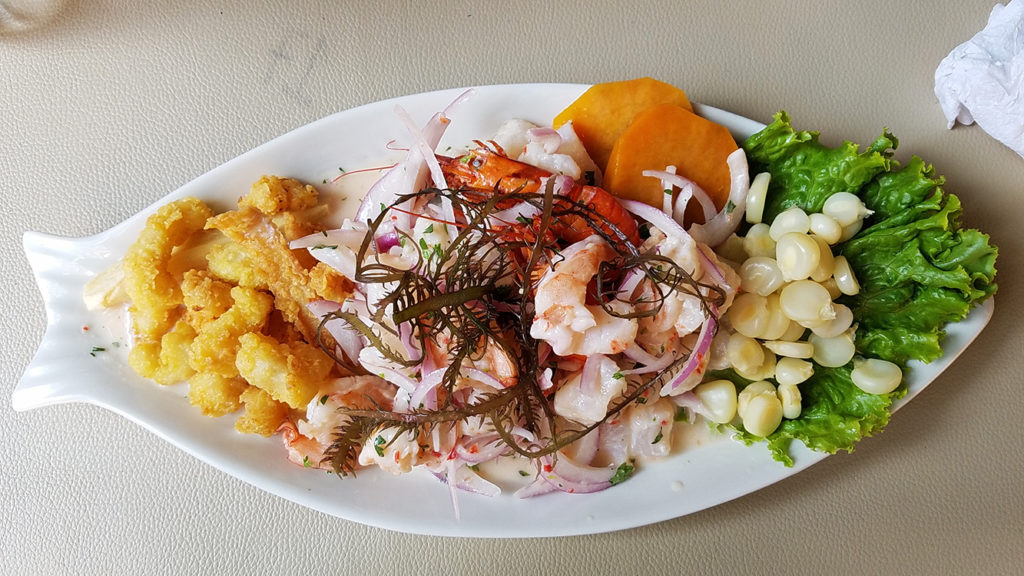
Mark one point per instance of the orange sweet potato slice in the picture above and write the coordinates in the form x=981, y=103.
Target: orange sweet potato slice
x=669, y=135
x=604, y=111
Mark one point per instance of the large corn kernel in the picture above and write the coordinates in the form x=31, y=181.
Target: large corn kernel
x=836, y=326
x=744, y=353
x=845, y=207
x=763, y=415
x=833, y=352
x=826, y=263
x=826, y=227
x=719, y=397
x=758, y=242
x=749, y=314
x=789, y=396
x=845, y=279
x=760, y=275
x=778, y=323
x=876, y=376
x=790, y=349
x=806, y=301
x=798, y=255
x=756, y=196
x=793, y=371
x=791, y=220
x=753, y=389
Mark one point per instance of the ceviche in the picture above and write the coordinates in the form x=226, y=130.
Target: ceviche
x=560, y=297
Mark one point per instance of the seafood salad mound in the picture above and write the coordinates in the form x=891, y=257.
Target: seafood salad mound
x=520, y=306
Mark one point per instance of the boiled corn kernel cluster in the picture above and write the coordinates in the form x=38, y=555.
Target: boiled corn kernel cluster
x=790, y=281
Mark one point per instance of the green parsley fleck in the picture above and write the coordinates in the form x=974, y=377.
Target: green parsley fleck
x=423, y=245
x=658, y=437
x=524, y=473
x=96, y=349
x=378, y=445
x=623, y=472
x=306, y=462
x=617, y=375
x=641, y=400
x=667, y=191
x=523, y=220
x=729, y=207
x=680, y=415
x=323, y=399
x=325, y=247
x=429, y=229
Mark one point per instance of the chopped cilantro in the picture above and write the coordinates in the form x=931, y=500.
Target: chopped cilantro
x=658, y=437
x=306, y=462
x=523, y=220
x=524, y=473
x=429, y=229
x=323, y=399
x=378, y=445
x=96, y=349
x=617, y=375
x=624, y=471
x=667, y=191
x=729, y=207
x=680, y=415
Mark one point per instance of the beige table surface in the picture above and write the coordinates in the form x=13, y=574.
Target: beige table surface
x=105, y=108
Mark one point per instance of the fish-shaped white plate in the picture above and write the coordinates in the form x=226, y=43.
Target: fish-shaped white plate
x=83, y=356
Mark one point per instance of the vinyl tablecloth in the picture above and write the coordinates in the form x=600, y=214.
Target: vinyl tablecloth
x=105, y=107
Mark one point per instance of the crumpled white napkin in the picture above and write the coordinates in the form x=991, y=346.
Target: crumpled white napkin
x=982, y=80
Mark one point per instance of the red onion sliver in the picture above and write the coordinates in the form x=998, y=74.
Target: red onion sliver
x=697, y=358
x=717, y=229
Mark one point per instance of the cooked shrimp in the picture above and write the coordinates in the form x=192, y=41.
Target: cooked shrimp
x=488, y=171
x=562, y=317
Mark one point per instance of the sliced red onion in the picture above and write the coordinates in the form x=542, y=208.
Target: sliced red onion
x=590, y=378
x=467, y=480
x=481, y=448
x=427, y=385
x=384, y=369
x=630, y=282
x=482, y=377
x=545, y=381
x=348, y=338
x=426, y=150
x=513, y=214
x=585, y=448
x=547, y=137
x=687, y=186
x=650, y=363
x=406, y=177
x=658, y=219
x=538, y=487
x=567, y=476
x=693, y=406
x=387, y=241
x=347, y=237
x=696, y=359
x=716, y=230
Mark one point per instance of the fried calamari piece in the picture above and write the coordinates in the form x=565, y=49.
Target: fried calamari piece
x=267, y=249
x=165, y=360
x=205, y=297
x=290, y=373
x=293, y=206
x=263, y=415
x=153, y=290
x=273, y=195
x=214, y=394
x=329, y=284
x=229, y=262
x=216, y=344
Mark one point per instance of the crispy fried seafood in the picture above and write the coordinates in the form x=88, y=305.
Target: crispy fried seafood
x=220, y=302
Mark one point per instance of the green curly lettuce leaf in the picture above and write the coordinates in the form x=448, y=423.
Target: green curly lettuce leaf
x=918, y=271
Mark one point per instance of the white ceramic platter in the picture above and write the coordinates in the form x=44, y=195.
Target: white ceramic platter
x=66, y=369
